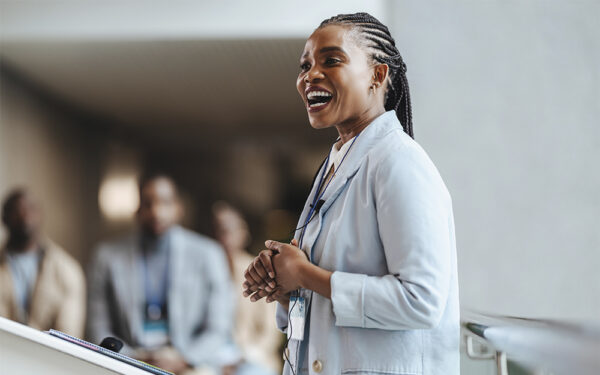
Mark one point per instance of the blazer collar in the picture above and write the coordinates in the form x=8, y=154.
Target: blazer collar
x=364, y=142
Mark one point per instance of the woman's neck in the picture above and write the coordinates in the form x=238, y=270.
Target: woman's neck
x=353, y=127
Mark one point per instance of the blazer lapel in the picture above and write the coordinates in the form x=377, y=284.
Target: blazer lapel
x=176, y=273
x=42, y=293
x=8, y=301
x=128, y=285
x=307, y=205
x=367, y=139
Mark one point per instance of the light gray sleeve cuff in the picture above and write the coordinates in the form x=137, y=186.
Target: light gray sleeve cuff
x=281, y=316
x=347, y=298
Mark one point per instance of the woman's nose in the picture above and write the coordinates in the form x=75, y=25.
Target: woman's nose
x=313, y=74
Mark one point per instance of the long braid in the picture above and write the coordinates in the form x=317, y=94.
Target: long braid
x=378, y=38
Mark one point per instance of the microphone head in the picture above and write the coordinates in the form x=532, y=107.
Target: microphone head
x=112, y=344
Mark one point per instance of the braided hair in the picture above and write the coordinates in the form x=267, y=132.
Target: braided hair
x=378, y=38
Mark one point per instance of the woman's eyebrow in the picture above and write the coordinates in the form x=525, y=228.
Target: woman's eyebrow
x=326, y=49
x=332, y=48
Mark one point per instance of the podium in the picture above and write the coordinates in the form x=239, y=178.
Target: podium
x=27, y=351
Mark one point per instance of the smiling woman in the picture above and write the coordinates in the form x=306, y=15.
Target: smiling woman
x=369, y=284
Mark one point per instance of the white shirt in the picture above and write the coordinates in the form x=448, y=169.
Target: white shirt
x=336, y=156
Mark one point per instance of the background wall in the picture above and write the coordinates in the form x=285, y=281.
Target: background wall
x=51, y=151
x=506, y=100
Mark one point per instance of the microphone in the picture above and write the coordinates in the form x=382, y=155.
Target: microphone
x=319, y=204
x=112, y=344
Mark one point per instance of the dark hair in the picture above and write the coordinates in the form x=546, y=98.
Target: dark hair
x=10, y=202
x=378, y=38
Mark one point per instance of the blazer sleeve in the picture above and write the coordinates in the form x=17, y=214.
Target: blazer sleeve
x=71, y=315
x=281, y=318
x=99, y=319
x=413, y=215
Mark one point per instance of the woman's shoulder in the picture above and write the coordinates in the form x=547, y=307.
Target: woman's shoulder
x=397, y=147
x=399, y=159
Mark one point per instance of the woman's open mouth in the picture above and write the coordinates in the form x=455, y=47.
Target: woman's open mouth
x=317, y=99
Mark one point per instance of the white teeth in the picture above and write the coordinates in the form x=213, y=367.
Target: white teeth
x=316, y=104
x=312, y=94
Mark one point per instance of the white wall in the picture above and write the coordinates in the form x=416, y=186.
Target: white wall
x=506, y=101
x=120, y=19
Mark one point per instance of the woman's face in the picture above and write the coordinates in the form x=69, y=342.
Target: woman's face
x=335, y=78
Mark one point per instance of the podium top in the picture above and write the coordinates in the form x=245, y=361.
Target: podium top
x=20, y=332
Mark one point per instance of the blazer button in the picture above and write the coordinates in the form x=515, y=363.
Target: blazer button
x=317, y=366
x=286, y=354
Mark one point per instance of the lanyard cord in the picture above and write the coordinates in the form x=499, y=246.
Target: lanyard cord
x=313, y=209
x=309, y=217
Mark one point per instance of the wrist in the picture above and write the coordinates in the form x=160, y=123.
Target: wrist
x=284, y=301
x=304, y=270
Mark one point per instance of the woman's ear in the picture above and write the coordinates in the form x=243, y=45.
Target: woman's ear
x=380, y=74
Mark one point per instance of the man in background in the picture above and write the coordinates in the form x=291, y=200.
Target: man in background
x=164, y=291
x=40, y=284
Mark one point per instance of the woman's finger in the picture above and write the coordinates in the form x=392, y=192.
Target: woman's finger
x=252, y=288
x=258, y=295
x=274, y=295
x=260, y=269
x=273, y=245
x=266, y=282
x=247, y=275
x=254, y=275
x=265, y=259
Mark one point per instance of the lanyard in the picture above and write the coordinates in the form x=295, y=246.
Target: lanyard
x=155, y=294
x=317, y=196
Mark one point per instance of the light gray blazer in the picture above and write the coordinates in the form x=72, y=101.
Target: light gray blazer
x=199, y=298
x=387, y=233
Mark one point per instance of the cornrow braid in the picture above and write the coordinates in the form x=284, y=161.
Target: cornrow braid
x=378, y=38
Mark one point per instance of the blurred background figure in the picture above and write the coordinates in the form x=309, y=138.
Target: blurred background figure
x=40, y=284
x=164, y=290
x=254, y=331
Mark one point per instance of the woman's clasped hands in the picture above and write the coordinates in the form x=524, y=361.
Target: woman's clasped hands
x=275, y=272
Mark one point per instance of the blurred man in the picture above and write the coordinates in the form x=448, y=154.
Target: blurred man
x=164, y=291
x=40, y=284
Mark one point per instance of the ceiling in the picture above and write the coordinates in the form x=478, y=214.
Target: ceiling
x=190, y=72
x=184, y=91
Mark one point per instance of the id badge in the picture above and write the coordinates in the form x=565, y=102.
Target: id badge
x=297, y=314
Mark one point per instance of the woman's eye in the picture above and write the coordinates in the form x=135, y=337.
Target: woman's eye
x=304, y=66
x=331, y=61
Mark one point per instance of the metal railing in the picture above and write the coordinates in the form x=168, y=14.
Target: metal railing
x=543, y=346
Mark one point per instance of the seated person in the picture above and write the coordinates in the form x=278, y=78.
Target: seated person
x=40, y=284
x=255, y=334
x=164, y=291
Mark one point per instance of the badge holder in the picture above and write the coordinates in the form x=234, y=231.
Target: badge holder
x=297, y=317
